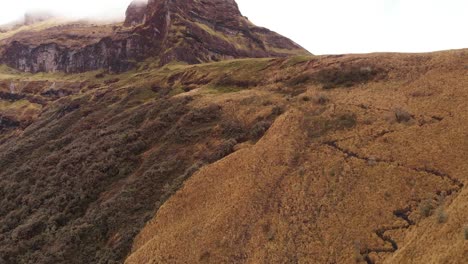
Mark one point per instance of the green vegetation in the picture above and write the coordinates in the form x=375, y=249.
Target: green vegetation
x=212, y=32
x=223, y=89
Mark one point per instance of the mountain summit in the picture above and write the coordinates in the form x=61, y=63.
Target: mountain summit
x=184, y=31
x=210, y=30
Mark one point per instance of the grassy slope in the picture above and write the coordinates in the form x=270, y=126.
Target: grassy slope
x=110, y=154
x=338, y=181
x=336, y=166
x=61, y=31
x=32, y=28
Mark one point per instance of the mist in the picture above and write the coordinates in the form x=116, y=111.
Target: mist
x=99, y=10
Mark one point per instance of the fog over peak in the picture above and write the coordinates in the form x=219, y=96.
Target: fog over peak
x=87, y=9
x=321, y=26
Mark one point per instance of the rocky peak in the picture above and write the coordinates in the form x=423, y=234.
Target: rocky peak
x=197, y=31
x=190, y=31
x=136, y=13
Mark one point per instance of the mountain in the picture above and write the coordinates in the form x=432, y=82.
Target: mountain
x=182, y=31
x=202, y=151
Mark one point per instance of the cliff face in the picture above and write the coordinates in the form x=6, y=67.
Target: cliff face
x=187, y=31
x=210, y=30
x=116, y=55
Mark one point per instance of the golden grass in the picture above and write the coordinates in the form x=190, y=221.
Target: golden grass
x=310, y=192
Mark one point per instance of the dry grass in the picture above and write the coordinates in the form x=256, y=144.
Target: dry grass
x=313, y=172
x=266, y=175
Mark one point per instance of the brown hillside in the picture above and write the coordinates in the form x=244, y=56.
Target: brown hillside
x=310, y=159
x=368, y=164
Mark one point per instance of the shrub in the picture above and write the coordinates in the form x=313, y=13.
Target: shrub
x=233, y=128
x=100, y=75
x=111, y=81
x=259, y=129
x=321, y=99
x=229, y=81
x=442, y=216
x=299, y=80
x=345, y=77
x=277, y=111
x=358, y=256
x=347, y=120
x=402, y=116
x=319, y=126
x=224, y=149
x=465, y=232
x=425, y=208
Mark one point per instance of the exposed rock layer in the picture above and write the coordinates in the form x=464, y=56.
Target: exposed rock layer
x=186, y=31
x=114, y=54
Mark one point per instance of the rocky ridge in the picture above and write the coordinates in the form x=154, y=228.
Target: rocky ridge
x=183, y=31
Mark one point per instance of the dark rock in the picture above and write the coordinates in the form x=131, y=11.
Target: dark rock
x=7, y=123
x=174, y=30
x=136, y=13
x=116, y=55
x=11, y=96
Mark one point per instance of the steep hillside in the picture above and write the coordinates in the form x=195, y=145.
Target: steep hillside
x=169, y=31
x=322, y=159
x=367, y=164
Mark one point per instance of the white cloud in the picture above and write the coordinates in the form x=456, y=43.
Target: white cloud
x=343, y=26
x=321, y=26
x=102, y=9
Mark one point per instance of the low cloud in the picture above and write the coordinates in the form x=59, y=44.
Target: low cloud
x=88, y=9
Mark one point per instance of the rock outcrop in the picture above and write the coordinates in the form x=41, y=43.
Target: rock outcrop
x=173, y=30
x=114, y=54
x=136, y=13
x=211, y=30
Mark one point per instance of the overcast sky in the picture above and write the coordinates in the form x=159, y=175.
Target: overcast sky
x=321, y=26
